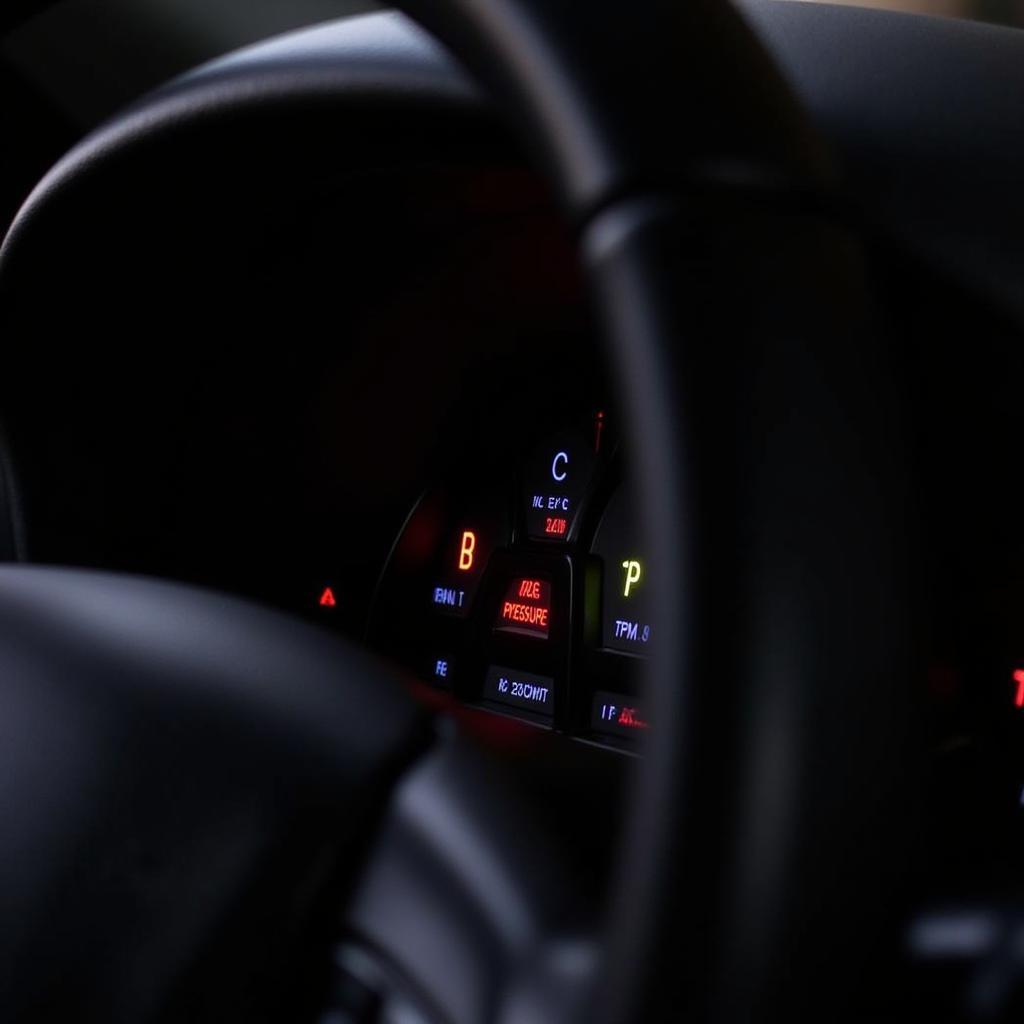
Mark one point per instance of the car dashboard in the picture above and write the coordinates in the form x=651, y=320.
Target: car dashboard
x=337, y=357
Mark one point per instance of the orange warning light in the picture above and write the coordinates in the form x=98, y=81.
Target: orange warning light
x=466, y=552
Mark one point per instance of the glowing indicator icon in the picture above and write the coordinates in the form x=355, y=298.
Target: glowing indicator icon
x=624, y=717
x=467, y=550
x=560, y=467
x=630, y=718
x=327, y=599
x=527, y=607
x=449, y=597
x=555, y=526
x=531, y=616
x=634, y=572
x=1018, y=678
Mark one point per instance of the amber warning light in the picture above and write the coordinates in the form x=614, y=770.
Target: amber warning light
x=527, y=607
x=467, y=551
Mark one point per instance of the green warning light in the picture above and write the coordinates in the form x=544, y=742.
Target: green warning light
x=633, y=574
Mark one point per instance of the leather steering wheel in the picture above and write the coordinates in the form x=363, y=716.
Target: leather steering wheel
x=201, y=797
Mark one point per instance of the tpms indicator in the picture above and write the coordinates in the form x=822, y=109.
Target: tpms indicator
x=526, y=607
x=626, y=621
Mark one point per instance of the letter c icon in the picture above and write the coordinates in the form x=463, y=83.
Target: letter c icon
x=559, y=474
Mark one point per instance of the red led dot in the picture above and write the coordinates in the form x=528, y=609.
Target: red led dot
x=1018, y=678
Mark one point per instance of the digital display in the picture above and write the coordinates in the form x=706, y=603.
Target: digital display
x=617, y=715
x=520, y=689
x=542, y=568
x=467, y=547
x=555, y=526
x=558, y=479
x=441, y=669
x=450, y=598
x=526, y=607
x=626, y=622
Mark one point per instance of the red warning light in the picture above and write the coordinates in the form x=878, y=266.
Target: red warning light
x=630, y=719
x=1018, y=678
x=555, y=527
x=327, y=598
x=527, y=607
x=529, y=616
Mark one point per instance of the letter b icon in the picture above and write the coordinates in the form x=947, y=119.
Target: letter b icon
x=466, y=551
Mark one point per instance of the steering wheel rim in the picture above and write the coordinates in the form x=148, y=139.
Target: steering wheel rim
x=661, y=217
x=658, y=132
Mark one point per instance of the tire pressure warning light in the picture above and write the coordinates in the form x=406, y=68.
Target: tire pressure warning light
x=526, y=607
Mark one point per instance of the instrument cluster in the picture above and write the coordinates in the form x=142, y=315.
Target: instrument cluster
x=526, y=592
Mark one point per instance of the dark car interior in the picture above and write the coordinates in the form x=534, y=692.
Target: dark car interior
x=509, y=511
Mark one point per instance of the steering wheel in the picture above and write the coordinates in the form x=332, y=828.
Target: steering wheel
x=202, y=799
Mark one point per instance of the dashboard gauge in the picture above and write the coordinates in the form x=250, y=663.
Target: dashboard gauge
x=474, y=536
x=625, y=616
x=506, y=597
x=431, y=584
x=526, y=607
x=525, y=690
x=557, y=481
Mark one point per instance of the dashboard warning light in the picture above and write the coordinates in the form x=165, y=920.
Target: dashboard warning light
x=466, y=551
x=633, y=573
x=1018, y=678
x=527, y=607
x=327, y=598
x=629, y=718
x=555, y=527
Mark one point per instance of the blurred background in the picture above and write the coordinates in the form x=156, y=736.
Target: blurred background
x=90, y=57
x=67, y=65
x=1002, y=12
